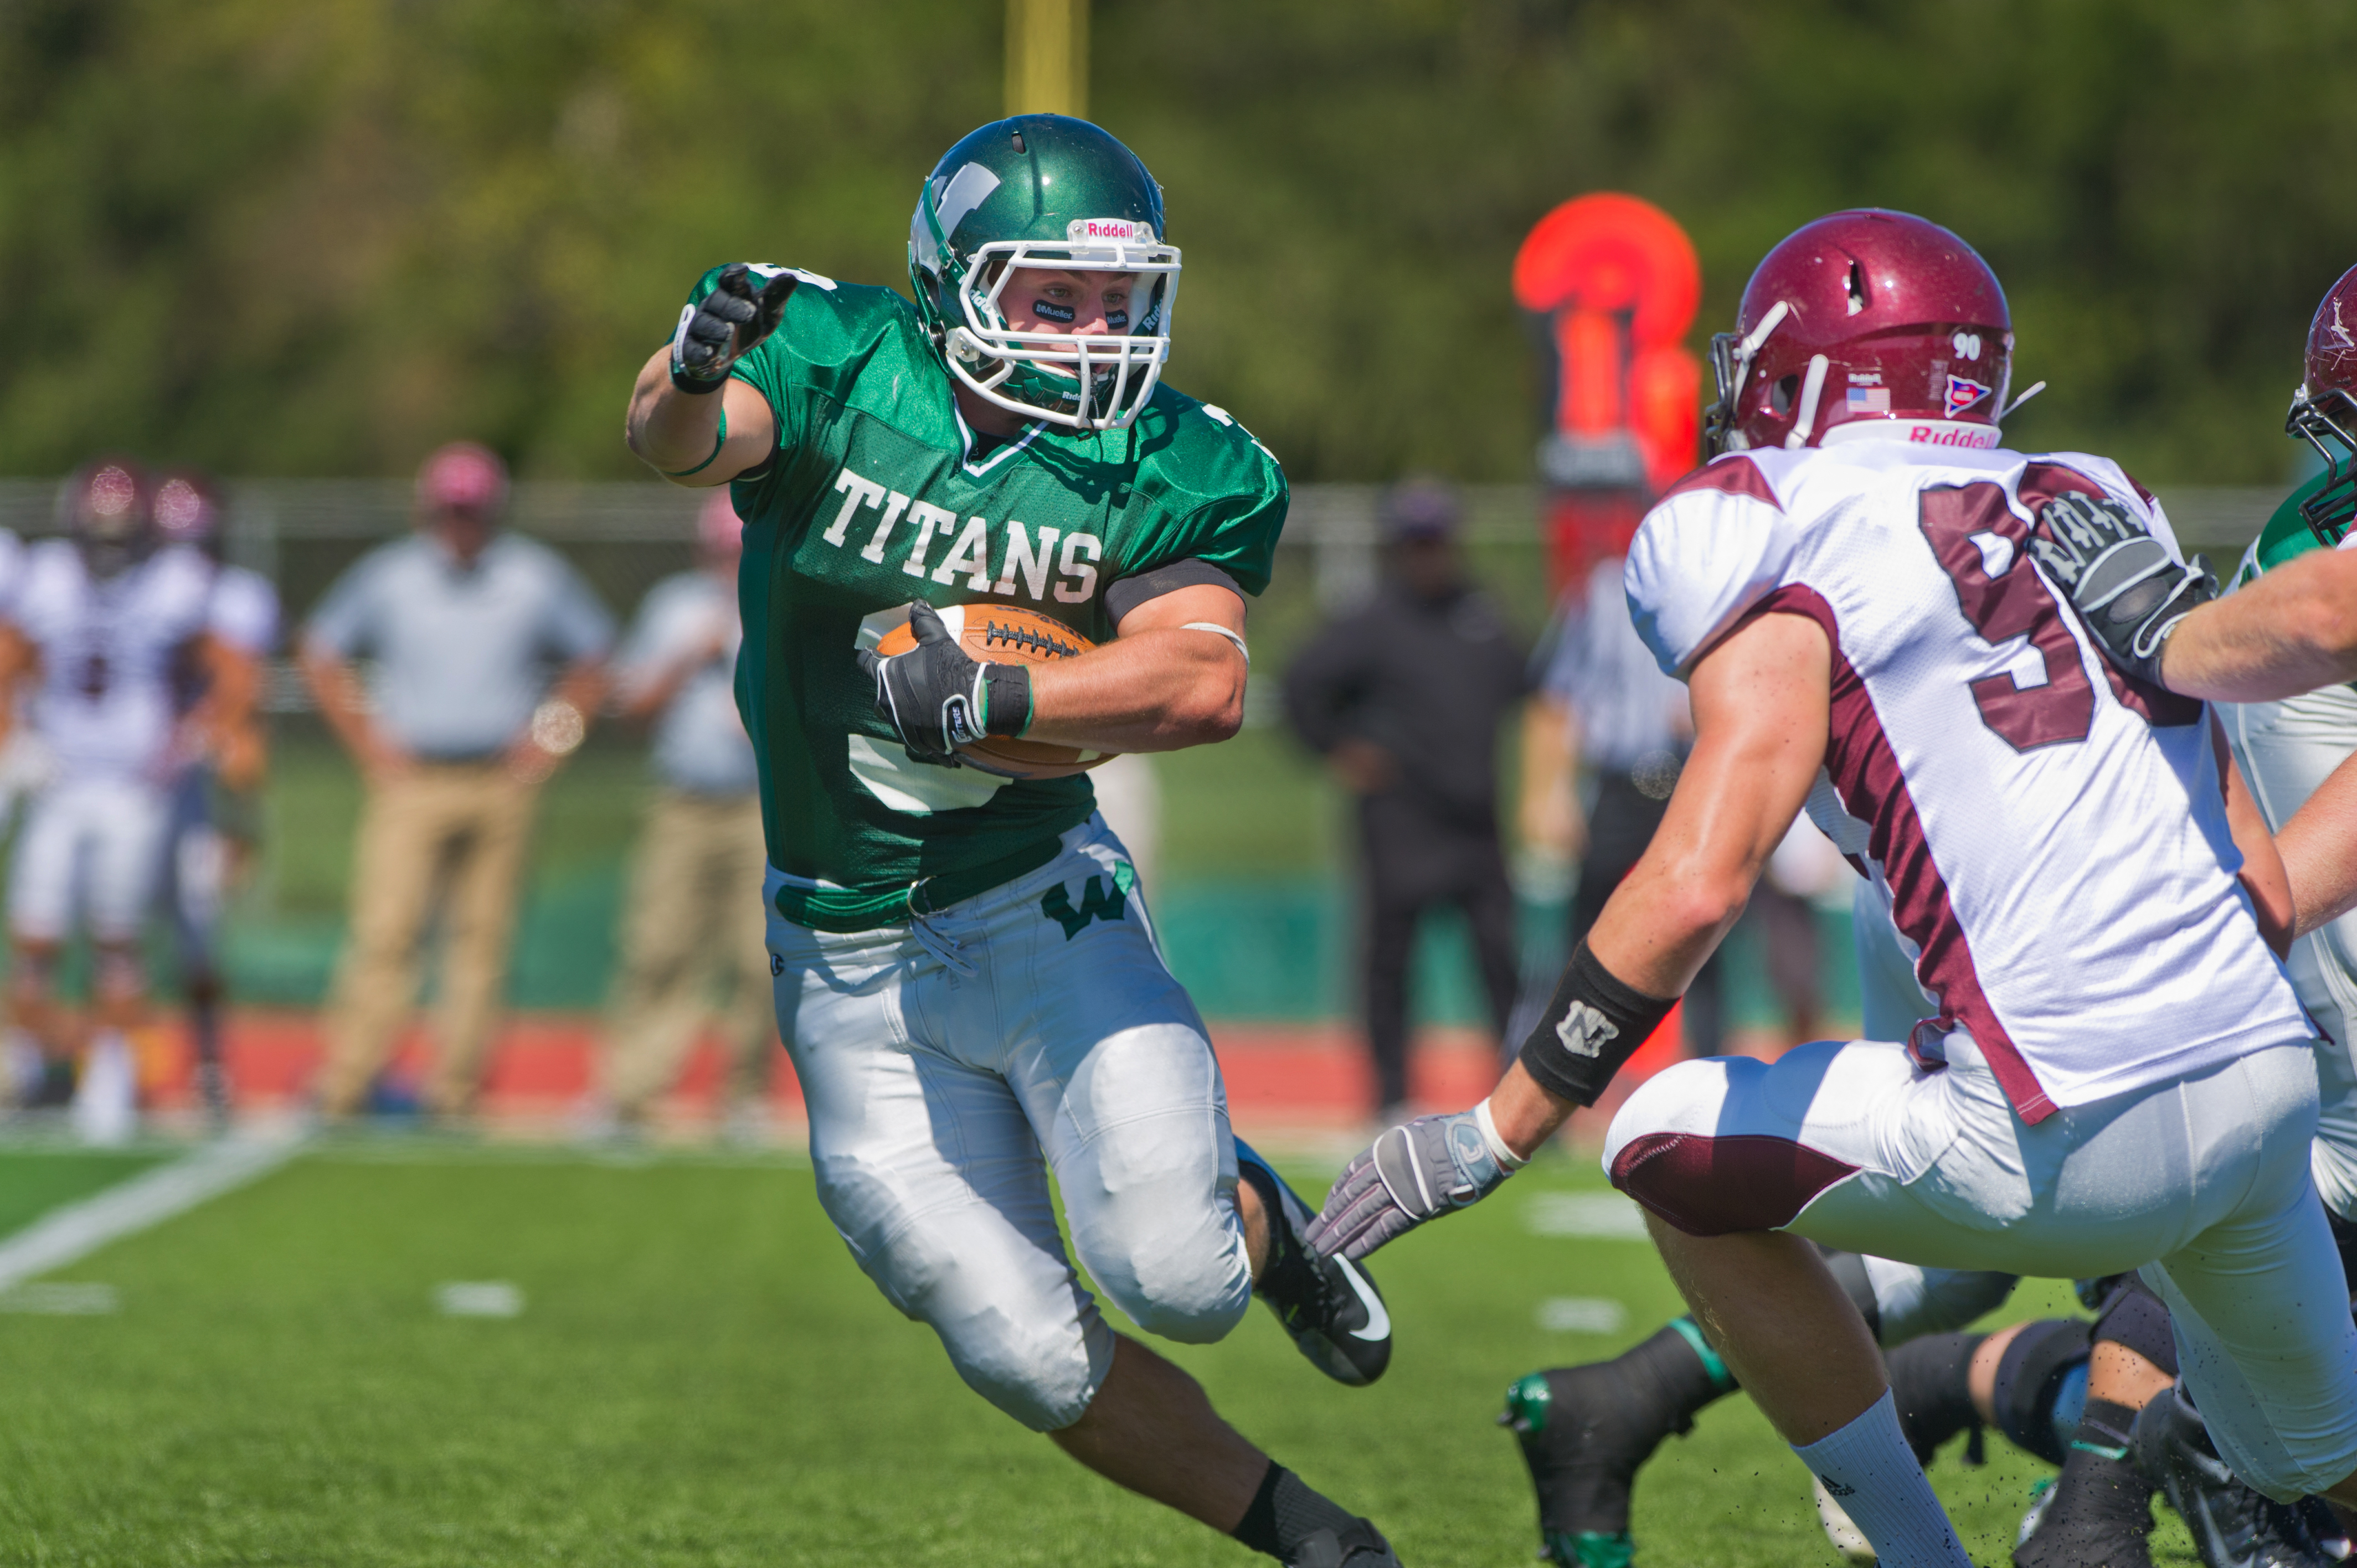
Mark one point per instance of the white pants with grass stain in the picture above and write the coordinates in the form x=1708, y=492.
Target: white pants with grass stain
x=951, y=1064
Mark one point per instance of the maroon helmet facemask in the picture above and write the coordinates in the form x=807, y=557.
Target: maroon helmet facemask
x=2324, y=411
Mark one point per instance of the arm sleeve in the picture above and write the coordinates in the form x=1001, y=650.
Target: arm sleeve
x=1701, y=559
x=1325, y=681
x=1126, y=594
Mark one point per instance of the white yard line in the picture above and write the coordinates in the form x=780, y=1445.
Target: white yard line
x=69, y=1234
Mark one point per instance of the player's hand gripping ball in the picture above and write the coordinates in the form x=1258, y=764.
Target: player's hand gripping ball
x=1415, y=1172
x=727, y=325
x=955, y=685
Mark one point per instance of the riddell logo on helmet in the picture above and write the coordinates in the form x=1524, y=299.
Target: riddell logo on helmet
x=1980, y=437
x=1118, y=228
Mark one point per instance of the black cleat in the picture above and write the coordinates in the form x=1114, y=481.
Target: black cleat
x=1329, y=1306
x=2233, y=1526
x=1584, y=1433
x=1358, y=1545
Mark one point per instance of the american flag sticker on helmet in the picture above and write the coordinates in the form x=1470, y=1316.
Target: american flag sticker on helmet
x=1962, y=393
x=1869, y=399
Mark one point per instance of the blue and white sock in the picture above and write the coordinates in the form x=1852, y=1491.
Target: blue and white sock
x=1870, y=1471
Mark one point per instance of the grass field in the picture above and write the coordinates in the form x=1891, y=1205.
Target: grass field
x=699, y=1375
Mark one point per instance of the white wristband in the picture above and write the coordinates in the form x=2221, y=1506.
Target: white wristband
x=1505, y=1156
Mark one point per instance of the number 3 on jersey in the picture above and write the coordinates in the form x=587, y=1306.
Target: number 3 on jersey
x=2003, y=597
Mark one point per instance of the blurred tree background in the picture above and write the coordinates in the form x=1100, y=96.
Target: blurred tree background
x=314, y=236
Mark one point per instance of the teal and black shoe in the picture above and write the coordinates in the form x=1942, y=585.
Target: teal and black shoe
x=1584, y=1433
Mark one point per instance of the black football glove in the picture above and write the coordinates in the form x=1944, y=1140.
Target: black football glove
x=726, y=326
x=938, y=697
x=2124, y=583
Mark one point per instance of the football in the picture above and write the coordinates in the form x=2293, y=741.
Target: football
x=1005, y=634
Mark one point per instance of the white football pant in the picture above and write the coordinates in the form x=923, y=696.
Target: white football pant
x=941, y=1060
x=2201, y=1183
x=89, y=845
x=2286, y=750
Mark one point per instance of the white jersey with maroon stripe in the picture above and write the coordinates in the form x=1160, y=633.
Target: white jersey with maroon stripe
x=2051, y=835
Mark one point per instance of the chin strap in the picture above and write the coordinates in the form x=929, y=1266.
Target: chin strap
x=2007, y=412
x=1813, y=387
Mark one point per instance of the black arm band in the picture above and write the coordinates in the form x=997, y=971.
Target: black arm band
x=1008, y=710
x=1594, y=1024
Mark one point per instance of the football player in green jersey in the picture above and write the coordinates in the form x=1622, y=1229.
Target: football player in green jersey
x=967, y=978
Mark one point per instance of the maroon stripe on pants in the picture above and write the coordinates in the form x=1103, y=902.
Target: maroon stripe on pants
x=1717, y=1186
x=1873, y=788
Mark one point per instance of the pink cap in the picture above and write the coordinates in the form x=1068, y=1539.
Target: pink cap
x=463, y=476
x=719, y=530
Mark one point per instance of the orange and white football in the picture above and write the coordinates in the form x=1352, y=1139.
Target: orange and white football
x=1006, y=634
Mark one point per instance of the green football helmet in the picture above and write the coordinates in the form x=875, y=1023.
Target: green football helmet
x=1053, y=192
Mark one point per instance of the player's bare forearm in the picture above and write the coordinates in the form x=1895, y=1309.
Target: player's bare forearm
x=20, y=664
x=2318, y=846
x=2262, y=875
x=1160, y=685
x=2293, y=631
x=674, y=432
x=1762, y=698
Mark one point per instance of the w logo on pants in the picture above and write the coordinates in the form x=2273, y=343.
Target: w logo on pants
x=1097, y=901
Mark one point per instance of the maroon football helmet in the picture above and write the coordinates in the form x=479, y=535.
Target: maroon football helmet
x=106, y=508
x=188, y=509
x=2324, y=410
x=1866, y=323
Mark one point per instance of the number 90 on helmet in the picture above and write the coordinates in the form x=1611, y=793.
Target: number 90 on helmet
x=1051, y=192
x=1865, y=324
x=2324, y=410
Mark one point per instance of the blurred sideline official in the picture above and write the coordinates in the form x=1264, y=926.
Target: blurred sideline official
x=1404, y=698
x=694, y=908
x=1604, y=707
x=454, y=733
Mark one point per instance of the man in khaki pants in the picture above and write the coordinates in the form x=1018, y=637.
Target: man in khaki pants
x=694, y=908
x=488, y=651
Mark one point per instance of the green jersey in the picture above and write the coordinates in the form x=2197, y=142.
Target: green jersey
x=2286, y=537
x=878, y=496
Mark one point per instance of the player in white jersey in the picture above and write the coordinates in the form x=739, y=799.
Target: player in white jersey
x=93, y=631
x=2119, y=1076
x=215, y=798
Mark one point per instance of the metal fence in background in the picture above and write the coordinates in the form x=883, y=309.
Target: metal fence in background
x=623, y=537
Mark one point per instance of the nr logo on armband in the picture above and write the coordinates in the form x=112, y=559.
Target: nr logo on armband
x=1585, y=1032
x=1098, y=902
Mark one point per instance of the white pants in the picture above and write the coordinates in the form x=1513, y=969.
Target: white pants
x=2286, y=750
x=941, y=1060
x=2201, y=1183
x=89, y=845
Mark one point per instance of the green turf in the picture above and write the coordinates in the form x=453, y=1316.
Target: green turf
x=701, y=1376
x=35, y=1180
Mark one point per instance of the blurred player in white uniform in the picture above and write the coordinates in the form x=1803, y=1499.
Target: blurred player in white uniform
x=2119, y=1076
x=215, y=796
x=99, y=617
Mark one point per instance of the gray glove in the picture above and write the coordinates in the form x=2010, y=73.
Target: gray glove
x=2124, y=583
x=1432, y=1166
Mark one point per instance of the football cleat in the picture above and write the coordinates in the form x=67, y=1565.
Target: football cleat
x=1358, y=1545
x=2324, y=1528
x=1584, y=1433
x=1848, y=1539
x=2231, y=1526
x=1329, y=1305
